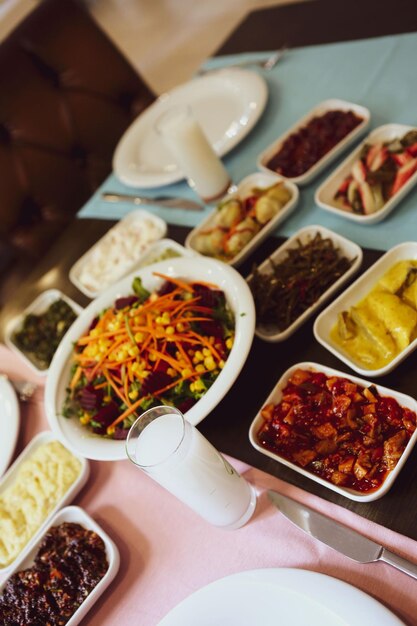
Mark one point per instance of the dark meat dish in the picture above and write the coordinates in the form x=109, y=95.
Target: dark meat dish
x=70, y=562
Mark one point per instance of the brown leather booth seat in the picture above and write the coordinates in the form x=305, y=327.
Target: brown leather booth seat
x=66, y=96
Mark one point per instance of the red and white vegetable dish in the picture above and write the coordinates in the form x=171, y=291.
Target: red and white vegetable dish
x=375, y=177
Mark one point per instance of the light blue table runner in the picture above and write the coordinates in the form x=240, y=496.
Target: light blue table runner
x=380, y=74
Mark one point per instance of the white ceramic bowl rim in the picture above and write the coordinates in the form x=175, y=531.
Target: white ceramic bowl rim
x=239, y=298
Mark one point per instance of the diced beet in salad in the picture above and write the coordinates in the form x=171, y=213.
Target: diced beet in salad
x=147, y=349
x=380, y=172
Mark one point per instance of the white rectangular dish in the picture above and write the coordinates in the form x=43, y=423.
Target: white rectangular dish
x=39, y=306
x=325, y=194
x=74, y=514
x=117, y=253
x=261, y=180
x=354, y=294
x=10, y=476
x=276, y=396
x=319, y=110
x=347, y=248
x=162, y=250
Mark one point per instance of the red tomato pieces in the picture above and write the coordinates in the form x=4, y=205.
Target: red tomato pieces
x=347, y=434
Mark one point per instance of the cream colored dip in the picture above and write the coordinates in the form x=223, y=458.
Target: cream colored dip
x=41, y=482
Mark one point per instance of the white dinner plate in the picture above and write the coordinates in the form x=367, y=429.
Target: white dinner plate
x=227, y=104
x=268, y=597
x=9, y=423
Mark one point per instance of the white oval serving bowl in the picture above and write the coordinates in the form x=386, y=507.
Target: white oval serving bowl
x=347, y=248
x=320, y=109
x=40, y=305
x=76, y=515
x=354, y=294
x=262, y=180
x=133, y=217
x=324, y=196
x=240, y=300
x=275, y=397
x=10, y=476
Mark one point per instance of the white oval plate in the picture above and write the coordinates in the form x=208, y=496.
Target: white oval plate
x=39, y=305
x=243, y=190
x=324, y=196
x=267, y=597
x=227, y=104
x=9, y=422
x=10, y=476
x=347, y=248
x=320, y=109
x=354, y=294
x=240, y=300
x=76, y=515
x=275, y=397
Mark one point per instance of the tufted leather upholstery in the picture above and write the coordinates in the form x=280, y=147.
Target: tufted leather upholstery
x=66, y=96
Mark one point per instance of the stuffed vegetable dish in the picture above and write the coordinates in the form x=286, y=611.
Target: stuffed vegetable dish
x=379, y=173
x=238, y=219
x=148, y=349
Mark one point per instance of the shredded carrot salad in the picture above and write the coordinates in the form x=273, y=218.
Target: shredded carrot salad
x=165, y=347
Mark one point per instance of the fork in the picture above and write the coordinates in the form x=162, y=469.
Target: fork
x=265, y=64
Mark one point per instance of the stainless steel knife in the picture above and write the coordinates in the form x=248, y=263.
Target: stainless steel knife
x=166, y=201
x=337, y=536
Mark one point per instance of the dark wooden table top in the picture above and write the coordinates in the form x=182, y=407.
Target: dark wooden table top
x=227, y=426
x=320, y=21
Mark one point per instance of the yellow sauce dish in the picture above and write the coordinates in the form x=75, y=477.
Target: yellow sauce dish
x=384, y=323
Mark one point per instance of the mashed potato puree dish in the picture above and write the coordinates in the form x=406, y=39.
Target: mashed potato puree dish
x=41, y=482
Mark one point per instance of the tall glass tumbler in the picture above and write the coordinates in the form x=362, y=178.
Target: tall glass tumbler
x=177, y=456
x=193, y=153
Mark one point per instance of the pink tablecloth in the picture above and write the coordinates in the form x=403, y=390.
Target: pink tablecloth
x=168, y=552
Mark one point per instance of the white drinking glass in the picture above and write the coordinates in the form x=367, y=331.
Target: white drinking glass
x=177, y=456
x=193, y=152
